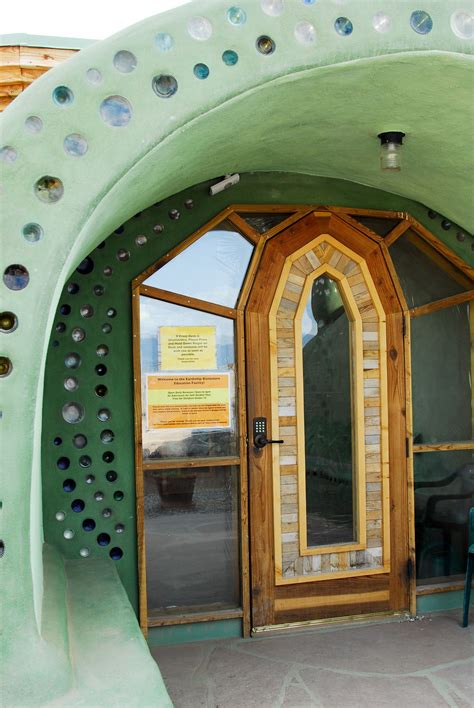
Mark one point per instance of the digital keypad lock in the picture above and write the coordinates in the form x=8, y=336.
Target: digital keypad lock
x=260, y=434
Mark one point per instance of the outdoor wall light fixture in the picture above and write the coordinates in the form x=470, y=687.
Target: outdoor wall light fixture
x=390, y=148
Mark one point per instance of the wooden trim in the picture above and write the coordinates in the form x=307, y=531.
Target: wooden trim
x=251, y=273
x=357, y=379
x=410, y=468
x=384, y=414
x=295, y=603
x=471, y=330
x=332, y=576
x=244, y=489
x=191, y=619
x=444, y=447
x=244, y=228
x=383, y=214
x=394, y=276
x=139, y=482
x=190, y=302
x=190, y=462
x=327, y=621
x=221, y=216
x=442, y=304
x=269, y=208
x=396, y=232
x=439, y=587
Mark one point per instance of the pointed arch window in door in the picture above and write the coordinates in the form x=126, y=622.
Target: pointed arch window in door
x=326, y=342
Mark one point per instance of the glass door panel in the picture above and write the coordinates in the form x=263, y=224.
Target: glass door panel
x=212, y=268
x=326, y=341
x=188, y=382
x=192, y=540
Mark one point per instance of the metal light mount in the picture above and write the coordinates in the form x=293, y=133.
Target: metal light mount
x=390, y=147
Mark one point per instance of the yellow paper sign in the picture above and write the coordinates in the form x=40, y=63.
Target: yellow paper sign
x=184, y=348
x=188, y=401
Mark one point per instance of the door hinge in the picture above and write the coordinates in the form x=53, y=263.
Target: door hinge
x=407, y=447
x=404, y=326
x=409, y=570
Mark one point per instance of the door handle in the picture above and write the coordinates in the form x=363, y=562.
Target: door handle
x=261, y=440
x=260, y=434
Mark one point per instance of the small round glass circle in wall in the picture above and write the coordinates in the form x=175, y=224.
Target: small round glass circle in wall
x=32, y=232
x=75, y=145
x=201, y=71
x=16, y=277
x=462, y=24
x=381, y=22
x=421, y=22
x=273, y=8
x=125, y=61
x=305, y=33
x=73, y=412
x=230, y=58
x=265, y=45
x=164, y=41
x=164, y=85
x=200, y=28
x=33, y=124
x=343, y=26
x=8, y=154
x=116, y=111
x=8, y=322
x=49, y=189
x=236, y=16
x=93, y=76
x=63, y=96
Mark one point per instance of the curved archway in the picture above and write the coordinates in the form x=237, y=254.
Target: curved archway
x=314, y=104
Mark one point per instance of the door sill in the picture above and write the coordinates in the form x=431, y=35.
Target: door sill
x=328, y=622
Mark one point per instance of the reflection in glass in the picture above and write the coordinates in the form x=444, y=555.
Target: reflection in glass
x=424, y=274
x=192, y=543
x=326, y=336
x=441, y=375
x=212, y=268
x=444, y=493
x=179, y=442
x=380, y=226
x=264, y=222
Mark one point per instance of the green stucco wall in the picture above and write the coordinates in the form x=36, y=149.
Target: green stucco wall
x=313, y=108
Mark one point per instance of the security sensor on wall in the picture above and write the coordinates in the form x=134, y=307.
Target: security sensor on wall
x=228, y=181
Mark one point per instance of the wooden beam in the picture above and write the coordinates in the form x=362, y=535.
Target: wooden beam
x=185, y=301
x=442, y=304
x=189, y=462
x=444, y=446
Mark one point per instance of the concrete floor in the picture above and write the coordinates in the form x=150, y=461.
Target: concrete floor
x=399, y=663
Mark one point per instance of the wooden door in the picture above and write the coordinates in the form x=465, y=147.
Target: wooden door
x=293, y=576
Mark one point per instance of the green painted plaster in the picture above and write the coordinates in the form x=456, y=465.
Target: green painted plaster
x=196, y=632
x=440, y=601
x=313, y=109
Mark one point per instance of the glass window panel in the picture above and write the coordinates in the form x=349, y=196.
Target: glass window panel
x=175, y=430
x=192, y=539
x=444, y=493
x=442, y=375
x=326, y=332
x=264, y=222
x=212, y=268
x=382, y=227
x=424, y=274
